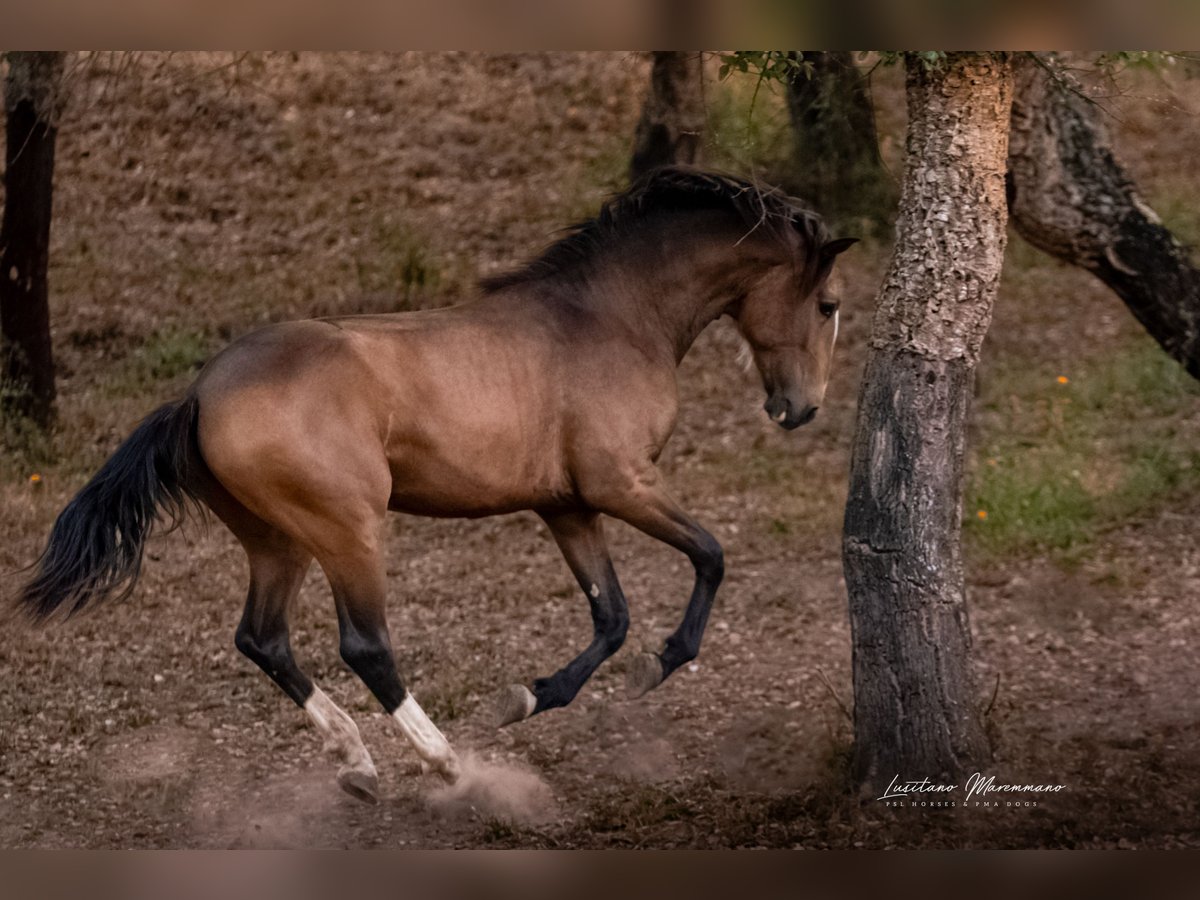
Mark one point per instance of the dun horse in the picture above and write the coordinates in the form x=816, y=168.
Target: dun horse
x=554, y=391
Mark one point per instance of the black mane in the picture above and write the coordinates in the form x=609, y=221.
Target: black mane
x=669, y=189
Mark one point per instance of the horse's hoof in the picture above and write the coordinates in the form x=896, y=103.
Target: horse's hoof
x=360, y=785
x=644, y=675
x=516, y=703
x=450, y=770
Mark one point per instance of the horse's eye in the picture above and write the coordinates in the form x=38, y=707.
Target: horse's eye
x=827, y=308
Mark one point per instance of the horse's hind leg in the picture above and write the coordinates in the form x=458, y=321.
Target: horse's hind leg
x=275, y=576
x=277, y=568
x=580, y=536
x=360, y=593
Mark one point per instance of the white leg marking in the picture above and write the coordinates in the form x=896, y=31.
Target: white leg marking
x=431, y=745
x=595, y=591
x=342, y=740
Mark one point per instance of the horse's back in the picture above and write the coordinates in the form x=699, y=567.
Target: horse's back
x=439, y=413
x=464, y=411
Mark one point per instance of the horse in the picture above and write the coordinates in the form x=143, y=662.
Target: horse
x=551, y=389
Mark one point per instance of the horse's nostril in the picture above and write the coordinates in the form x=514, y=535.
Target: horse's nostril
x=777, y=408
x=808, y=415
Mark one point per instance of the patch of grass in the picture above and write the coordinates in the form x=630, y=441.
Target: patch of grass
x=169, y=354
x=164, y=356
x=25, y=449
x=1178, y=210
x=398, y=262
x=1062, y=460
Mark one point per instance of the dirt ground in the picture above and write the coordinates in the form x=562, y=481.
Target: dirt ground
x=199, y=196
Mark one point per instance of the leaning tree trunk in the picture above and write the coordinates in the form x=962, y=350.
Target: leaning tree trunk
x=915, y=713
x=32, y=94
x=836, y=165
x=672, y=121
x=1071, y=198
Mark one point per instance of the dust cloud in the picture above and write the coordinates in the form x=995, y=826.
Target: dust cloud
x=496, y=789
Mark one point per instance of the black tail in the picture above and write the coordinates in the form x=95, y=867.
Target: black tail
x=95, y=548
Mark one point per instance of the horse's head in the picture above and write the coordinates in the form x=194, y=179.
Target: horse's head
x=789, y=318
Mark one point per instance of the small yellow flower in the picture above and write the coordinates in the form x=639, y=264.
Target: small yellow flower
x=35, y=478
x=982, y=514
x=992, y=462
x=1063, y=379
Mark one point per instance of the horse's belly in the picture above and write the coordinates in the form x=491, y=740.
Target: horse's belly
x=480, y=481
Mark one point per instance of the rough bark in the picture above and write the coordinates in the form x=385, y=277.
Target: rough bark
x=836, y=165
x=672, y=121
x=915, y=712
x=1071, y=198
x=32, y=96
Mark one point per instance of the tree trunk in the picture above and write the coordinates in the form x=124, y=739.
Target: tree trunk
x=915, y=713
x=32, y=95
x=672, y=121
x=836, y=165
x=1070, y=198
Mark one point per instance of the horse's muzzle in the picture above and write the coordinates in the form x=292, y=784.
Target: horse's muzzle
x=785, y=414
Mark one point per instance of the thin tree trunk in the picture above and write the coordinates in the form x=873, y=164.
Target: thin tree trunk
x=836, y=165
x=1070, y=198
x=915, y=713
x=672, y=122
x=32, y=93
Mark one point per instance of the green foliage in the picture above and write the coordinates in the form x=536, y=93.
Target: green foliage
x=782, y=65
x=930, y=59
x=773, y=65
x=743, y=139
x=1115, y=61
x=769, y=66
x=1063, y=461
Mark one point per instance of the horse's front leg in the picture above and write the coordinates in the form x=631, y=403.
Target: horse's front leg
x=646, y=505
x=580, y=537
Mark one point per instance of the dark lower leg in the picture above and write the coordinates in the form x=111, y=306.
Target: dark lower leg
x=365, y=645
x=684, y=644
x=610, y=621
x=581, y=538
x=652, y=511
x=262, y=634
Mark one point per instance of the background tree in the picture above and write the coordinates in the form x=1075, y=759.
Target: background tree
x=32, y=100
x=835, y=162
x=915, y=709
x=1071, y=198
x=672, y=122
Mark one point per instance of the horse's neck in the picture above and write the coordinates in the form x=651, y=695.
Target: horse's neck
x=672, y=294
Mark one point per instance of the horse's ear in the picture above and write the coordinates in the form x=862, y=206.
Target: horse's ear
x=831, y=249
